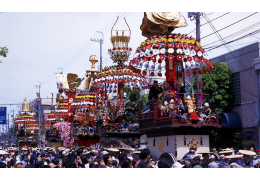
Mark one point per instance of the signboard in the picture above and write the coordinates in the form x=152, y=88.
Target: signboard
x=2, y=115
x=98, y=100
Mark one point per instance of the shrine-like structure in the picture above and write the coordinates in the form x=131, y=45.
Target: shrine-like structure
x=26, y=127
x=173, y=122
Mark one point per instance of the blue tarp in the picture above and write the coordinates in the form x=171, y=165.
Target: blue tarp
x=230, y=120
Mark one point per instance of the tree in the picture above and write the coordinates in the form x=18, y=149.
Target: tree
x=3, y=51
x=136, y=103
x=218, y=84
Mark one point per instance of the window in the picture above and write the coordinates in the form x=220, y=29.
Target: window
x=236, y=88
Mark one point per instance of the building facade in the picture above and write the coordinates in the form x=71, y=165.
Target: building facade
x=245, y=82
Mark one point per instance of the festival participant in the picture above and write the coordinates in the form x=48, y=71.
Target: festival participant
x=108, y=161
x=213, y=163
x=205, y=162
x=191, y=152
x=224, y=162
x=127, y=163
x=201, y=117
x=33, y=157
x=196, y=162
x=155, y=90
x=188, y=161
x=25, y=160
x=144, y=157
x=246, y=161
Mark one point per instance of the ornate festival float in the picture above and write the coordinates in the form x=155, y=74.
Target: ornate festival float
x=26, y=127
x=72, y=124
x=176, y=121
x=111, y=85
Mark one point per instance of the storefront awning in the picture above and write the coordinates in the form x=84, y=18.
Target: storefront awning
x=230, y=120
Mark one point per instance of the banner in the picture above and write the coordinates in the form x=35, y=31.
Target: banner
x=71, y=97
x=2, y=115
x=98, y=101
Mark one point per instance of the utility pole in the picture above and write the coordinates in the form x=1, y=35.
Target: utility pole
x=101, y=41
x=13, y=129
x=8, y=131
x=39, y=112
x=196, y=16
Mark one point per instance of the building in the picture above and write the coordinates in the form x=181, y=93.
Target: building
x=44, y=105
x=243, y=62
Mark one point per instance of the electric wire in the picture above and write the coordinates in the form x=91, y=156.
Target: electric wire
x=211, y=21
x=51, y=76
x=242, y=37
x=237, y=33
x=229, y=25
x=83, y=52
x=223, y=42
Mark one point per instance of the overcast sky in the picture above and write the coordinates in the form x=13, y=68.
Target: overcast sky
x=40, y=43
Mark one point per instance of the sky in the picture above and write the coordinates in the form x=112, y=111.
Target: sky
x=40, y=43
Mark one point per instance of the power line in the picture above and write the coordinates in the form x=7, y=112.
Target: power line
x=51, y=76
x=223, y=41
x=89, y=41
x=237, y=33
x=210, y=21
x=9, y=99
x=230, y=25
x=242, y=37
x=83, y=52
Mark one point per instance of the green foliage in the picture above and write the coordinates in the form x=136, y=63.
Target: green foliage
x=136, y=103
x=218, y=84
x=238, y=139
x=3, y=51
x=248, y=143
x=226, y=138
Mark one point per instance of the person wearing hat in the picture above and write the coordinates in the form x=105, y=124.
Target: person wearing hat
x=213, y=163
x=224, y=162
x=233, y=163
x=45, y=159
x=164, y=163
x=246, y=161
x=191, y=152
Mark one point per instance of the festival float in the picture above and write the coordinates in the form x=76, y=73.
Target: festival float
x=27, y=127
x=172, y=124
x=111, y=84
x=75, y=113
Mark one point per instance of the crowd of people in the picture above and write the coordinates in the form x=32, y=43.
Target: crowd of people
x=125, y=158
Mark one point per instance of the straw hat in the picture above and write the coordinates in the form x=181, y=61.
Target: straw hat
x=226, y=149
x=205, y=153
x=234, y=156
x=112, y=149
x=61, y=148
x=225, y=152
x=246, y=152
x=137, y=152
x=172, y=19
